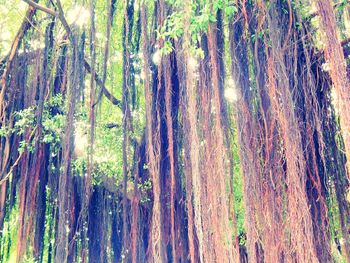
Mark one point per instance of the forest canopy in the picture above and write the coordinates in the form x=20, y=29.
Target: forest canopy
x=174, y=131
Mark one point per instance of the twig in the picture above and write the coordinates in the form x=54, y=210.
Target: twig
x=7, y=176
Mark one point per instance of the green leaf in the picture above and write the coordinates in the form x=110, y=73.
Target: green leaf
x=212, y=18
x=231, y=10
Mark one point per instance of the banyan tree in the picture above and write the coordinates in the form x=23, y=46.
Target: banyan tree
x=174, y=131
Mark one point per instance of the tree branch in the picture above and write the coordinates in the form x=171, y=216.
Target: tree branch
x=26, y=24
x=42, y=8
x=104, y=90
x=63, y=20
x=61, y=17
